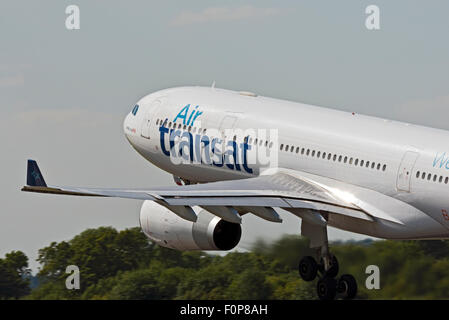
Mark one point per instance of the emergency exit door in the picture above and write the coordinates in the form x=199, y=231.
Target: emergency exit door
x=405, y=170
x=149, y=121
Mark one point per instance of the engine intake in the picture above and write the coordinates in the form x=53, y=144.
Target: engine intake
x=167, y=229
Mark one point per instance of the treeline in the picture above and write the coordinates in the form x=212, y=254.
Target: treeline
x=14, y=276
x=124, y=265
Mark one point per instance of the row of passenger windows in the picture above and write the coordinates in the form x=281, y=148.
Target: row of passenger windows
x=334, y=157
x=287, y=148
x=307, y=152
x=173, y=125
x=259, y=142
x=429, y=176
x=247, y=139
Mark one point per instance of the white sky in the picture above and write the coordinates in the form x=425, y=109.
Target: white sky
x=64, y=94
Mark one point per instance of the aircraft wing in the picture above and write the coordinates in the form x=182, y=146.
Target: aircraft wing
x=287, y=189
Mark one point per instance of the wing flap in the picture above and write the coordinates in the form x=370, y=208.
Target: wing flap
x=280, y=188
x=227, y=201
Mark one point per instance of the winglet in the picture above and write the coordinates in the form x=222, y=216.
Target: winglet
x=34, y=175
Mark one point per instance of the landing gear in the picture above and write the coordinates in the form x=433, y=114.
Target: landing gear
x=308, y=268
x=326, y=288
x=181, y=181
x=347, y=287
x=333, y=268
x=327, y=269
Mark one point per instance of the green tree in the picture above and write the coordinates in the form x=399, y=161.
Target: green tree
x=291, y=287
x=14, y=273
x=99, y=253
x=154, y=282
x=124, y=265
x=209, y=282
x=250, y=284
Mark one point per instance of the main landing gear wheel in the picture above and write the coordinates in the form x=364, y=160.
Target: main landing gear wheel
x=308, y=268
x=326, y=288
x=347, y=287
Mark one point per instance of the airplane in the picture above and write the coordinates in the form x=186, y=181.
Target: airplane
x=233, y=153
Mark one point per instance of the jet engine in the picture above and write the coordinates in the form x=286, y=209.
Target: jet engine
x=169, y=230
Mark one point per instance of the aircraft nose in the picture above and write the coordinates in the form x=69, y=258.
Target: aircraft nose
x=127, y=128
x=130, y=122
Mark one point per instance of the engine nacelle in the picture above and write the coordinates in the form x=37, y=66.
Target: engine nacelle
x=167, y=229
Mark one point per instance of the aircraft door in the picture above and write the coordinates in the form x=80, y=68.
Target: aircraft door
x=228, y=122
x=405, y=171
x=149, y=121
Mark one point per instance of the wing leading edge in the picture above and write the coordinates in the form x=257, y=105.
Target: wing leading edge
x=281, y=188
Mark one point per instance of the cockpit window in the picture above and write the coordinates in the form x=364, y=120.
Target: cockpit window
x=135, y=109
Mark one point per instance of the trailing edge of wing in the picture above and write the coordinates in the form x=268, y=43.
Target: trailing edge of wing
x=283, y=188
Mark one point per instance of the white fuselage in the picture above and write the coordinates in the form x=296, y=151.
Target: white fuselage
x=404, y=161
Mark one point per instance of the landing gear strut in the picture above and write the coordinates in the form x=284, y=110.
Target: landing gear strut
x=327, y=269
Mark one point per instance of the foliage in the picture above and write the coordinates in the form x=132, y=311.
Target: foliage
x=13, y=275
x=124, y=265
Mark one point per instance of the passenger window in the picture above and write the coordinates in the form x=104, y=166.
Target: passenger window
x=441, y=179
x=361, y=163
x=384, y=167
x=446, y=180
x=282, y=146
x=423, y=175
x=297, y=149
x=417, y=174
x=429, y=176
x=313, y=153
